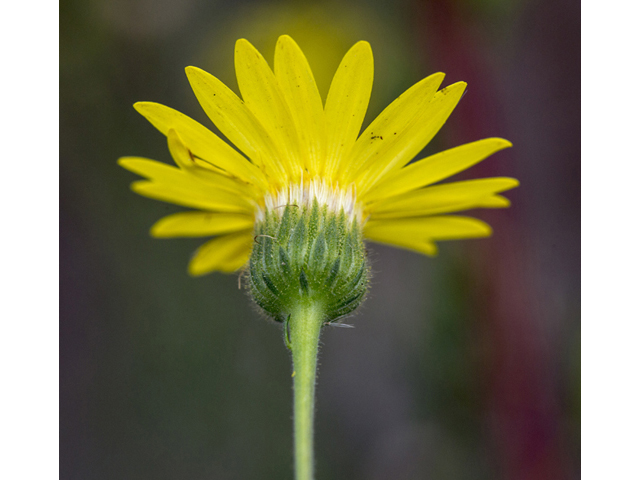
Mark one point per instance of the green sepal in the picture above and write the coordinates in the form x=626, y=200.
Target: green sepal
x=308, y=254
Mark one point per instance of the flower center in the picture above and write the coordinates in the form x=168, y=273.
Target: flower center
x=303, y=194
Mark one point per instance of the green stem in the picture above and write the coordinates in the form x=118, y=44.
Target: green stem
x=304, y=331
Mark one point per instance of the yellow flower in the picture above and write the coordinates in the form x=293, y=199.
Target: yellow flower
x=296, y=151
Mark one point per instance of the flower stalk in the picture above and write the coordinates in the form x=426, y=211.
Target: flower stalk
x=302, y=332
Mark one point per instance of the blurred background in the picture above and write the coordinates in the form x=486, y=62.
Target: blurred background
x=464, y=366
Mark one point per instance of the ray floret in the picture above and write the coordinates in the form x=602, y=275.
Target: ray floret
x=293, y=150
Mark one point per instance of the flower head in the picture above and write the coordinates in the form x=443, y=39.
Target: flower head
x=295, y=152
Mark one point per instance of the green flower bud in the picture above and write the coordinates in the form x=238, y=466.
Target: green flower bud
x=309, y=253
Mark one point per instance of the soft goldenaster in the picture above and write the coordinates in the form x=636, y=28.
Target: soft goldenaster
x=297, y=150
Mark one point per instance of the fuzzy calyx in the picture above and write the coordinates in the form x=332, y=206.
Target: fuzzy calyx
x=308, y=254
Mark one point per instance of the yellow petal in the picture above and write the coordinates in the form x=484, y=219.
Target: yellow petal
x=347, y=103
x=435, y=168
x=148, y=168
x=192, y=166
x=395, y=128
x=162, y=173
x=418, y=134
x=388, y=238
x=225, y=254
x=301, y=94
x=201, y=141
x=193, y=195
x=495, y=201
x=262, y=95
x=235, y=120
x=200, y=224
x=442, y=206
x=418, y=229
x=442, y=198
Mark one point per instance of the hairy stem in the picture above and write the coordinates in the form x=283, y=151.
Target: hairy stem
x=303, y=333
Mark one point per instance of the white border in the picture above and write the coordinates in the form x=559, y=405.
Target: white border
x=611, y=240
x=29, y=195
